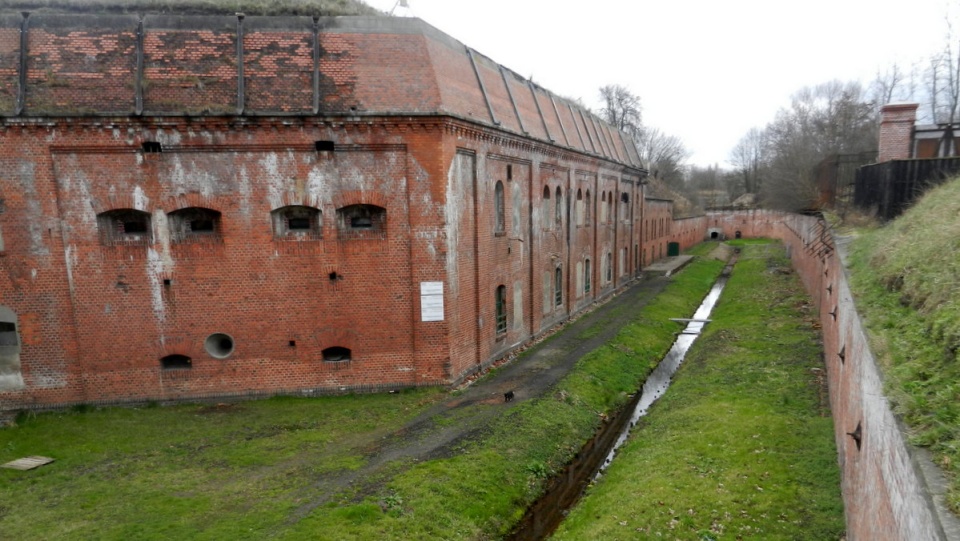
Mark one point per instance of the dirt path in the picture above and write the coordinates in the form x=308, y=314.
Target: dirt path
x=441, y=429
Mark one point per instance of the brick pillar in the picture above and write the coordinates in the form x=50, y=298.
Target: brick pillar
x=896, y=131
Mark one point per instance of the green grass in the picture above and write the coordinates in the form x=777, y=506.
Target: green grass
x=740, y=446
x=484, y=490
x=189, y=471
x=254, y=470
x=906, y=279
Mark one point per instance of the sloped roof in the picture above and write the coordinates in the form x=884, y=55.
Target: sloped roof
x=83, y=65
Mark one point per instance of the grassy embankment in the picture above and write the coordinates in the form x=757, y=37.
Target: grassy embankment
x=906, y=280
x=741, y=445
x=258, y=469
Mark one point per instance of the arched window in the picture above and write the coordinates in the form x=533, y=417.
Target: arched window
x=297, y=222
x=579, y=207
x=586, y=276
x=124, y=227
x=558, y=287
x=603, y=207
x=501, y=225
x=545, y=208
x=609, y=264
x=610, y=208
x=194, y=225
x=558, y=207
x=501, y=309
x=361, y=222
x=587, y=213
x=336, y=354
x=176, y=362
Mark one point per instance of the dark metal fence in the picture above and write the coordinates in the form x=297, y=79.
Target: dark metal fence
x=890, y=187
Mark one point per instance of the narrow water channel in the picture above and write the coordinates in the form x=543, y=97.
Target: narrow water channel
x=563, y=491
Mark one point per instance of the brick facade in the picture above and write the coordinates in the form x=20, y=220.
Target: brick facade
x=212, y=206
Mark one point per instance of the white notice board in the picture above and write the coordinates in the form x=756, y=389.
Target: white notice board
x=431, y=301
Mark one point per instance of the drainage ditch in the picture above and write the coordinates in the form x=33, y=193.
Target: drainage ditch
x=563, y=491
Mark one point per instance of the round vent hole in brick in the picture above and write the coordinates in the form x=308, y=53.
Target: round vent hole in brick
x=219, y=345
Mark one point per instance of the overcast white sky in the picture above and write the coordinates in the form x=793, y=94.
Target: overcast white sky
x=706, y=71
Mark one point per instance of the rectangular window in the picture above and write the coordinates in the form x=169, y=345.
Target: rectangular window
x=501, y=307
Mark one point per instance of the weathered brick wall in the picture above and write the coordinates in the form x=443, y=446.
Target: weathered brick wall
x=236, y=105
x=75, y=69
x=885, y=493
x=9, y=62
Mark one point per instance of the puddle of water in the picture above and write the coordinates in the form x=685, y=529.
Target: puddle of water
x=543, y=517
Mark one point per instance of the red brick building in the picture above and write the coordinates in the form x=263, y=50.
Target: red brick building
x=211, y=206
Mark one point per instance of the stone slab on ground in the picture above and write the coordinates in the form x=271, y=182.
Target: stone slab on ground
x=27, y=463
x=668, y=265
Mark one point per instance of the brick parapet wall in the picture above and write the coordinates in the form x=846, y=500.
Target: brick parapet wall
x=886, y=493
x=87, y=65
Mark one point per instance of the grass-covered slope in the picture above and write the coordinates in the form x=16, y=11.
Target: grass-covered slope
x=906, y=281
x=323, y=8
x=741, y=445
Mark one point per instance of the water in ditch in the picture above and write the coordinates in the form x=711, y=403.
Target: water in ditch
x=543, y=517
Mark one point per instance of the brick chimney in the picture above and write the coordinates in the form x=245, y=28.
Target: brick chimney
x=896, y=131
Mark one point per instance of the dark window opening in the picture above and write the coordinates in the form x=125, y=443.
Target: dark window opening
x=124, y=227
x=362, y=222
x=501, y=224
x=501, y=308
x=176, y=362
x=134, y=227
x=714, y=235
x=297, y=222
x=558, y=207
x=202, y=226
x=8, y=333
x=737, y=235
x=509, y=172
x=558, y=287
x=587, y=212
x=336, y=354
x=586, y=277
x=151, y=147
x=545, y=208
x=323, y=146
x=194, y=224
x=609, y=267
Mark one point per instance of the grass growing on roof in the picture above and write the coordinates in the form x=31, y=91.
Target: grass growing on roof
x=906, y=279
x=740, y=446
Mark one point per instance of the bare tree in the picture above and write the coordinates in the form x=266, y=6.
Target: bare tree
x=890, y=85
x=832, y=118
x=621, y=108
x=664, y=155
x=748, y=158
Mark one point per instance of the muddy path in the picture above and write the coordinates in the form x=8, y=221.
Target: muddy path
x=442, y=429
